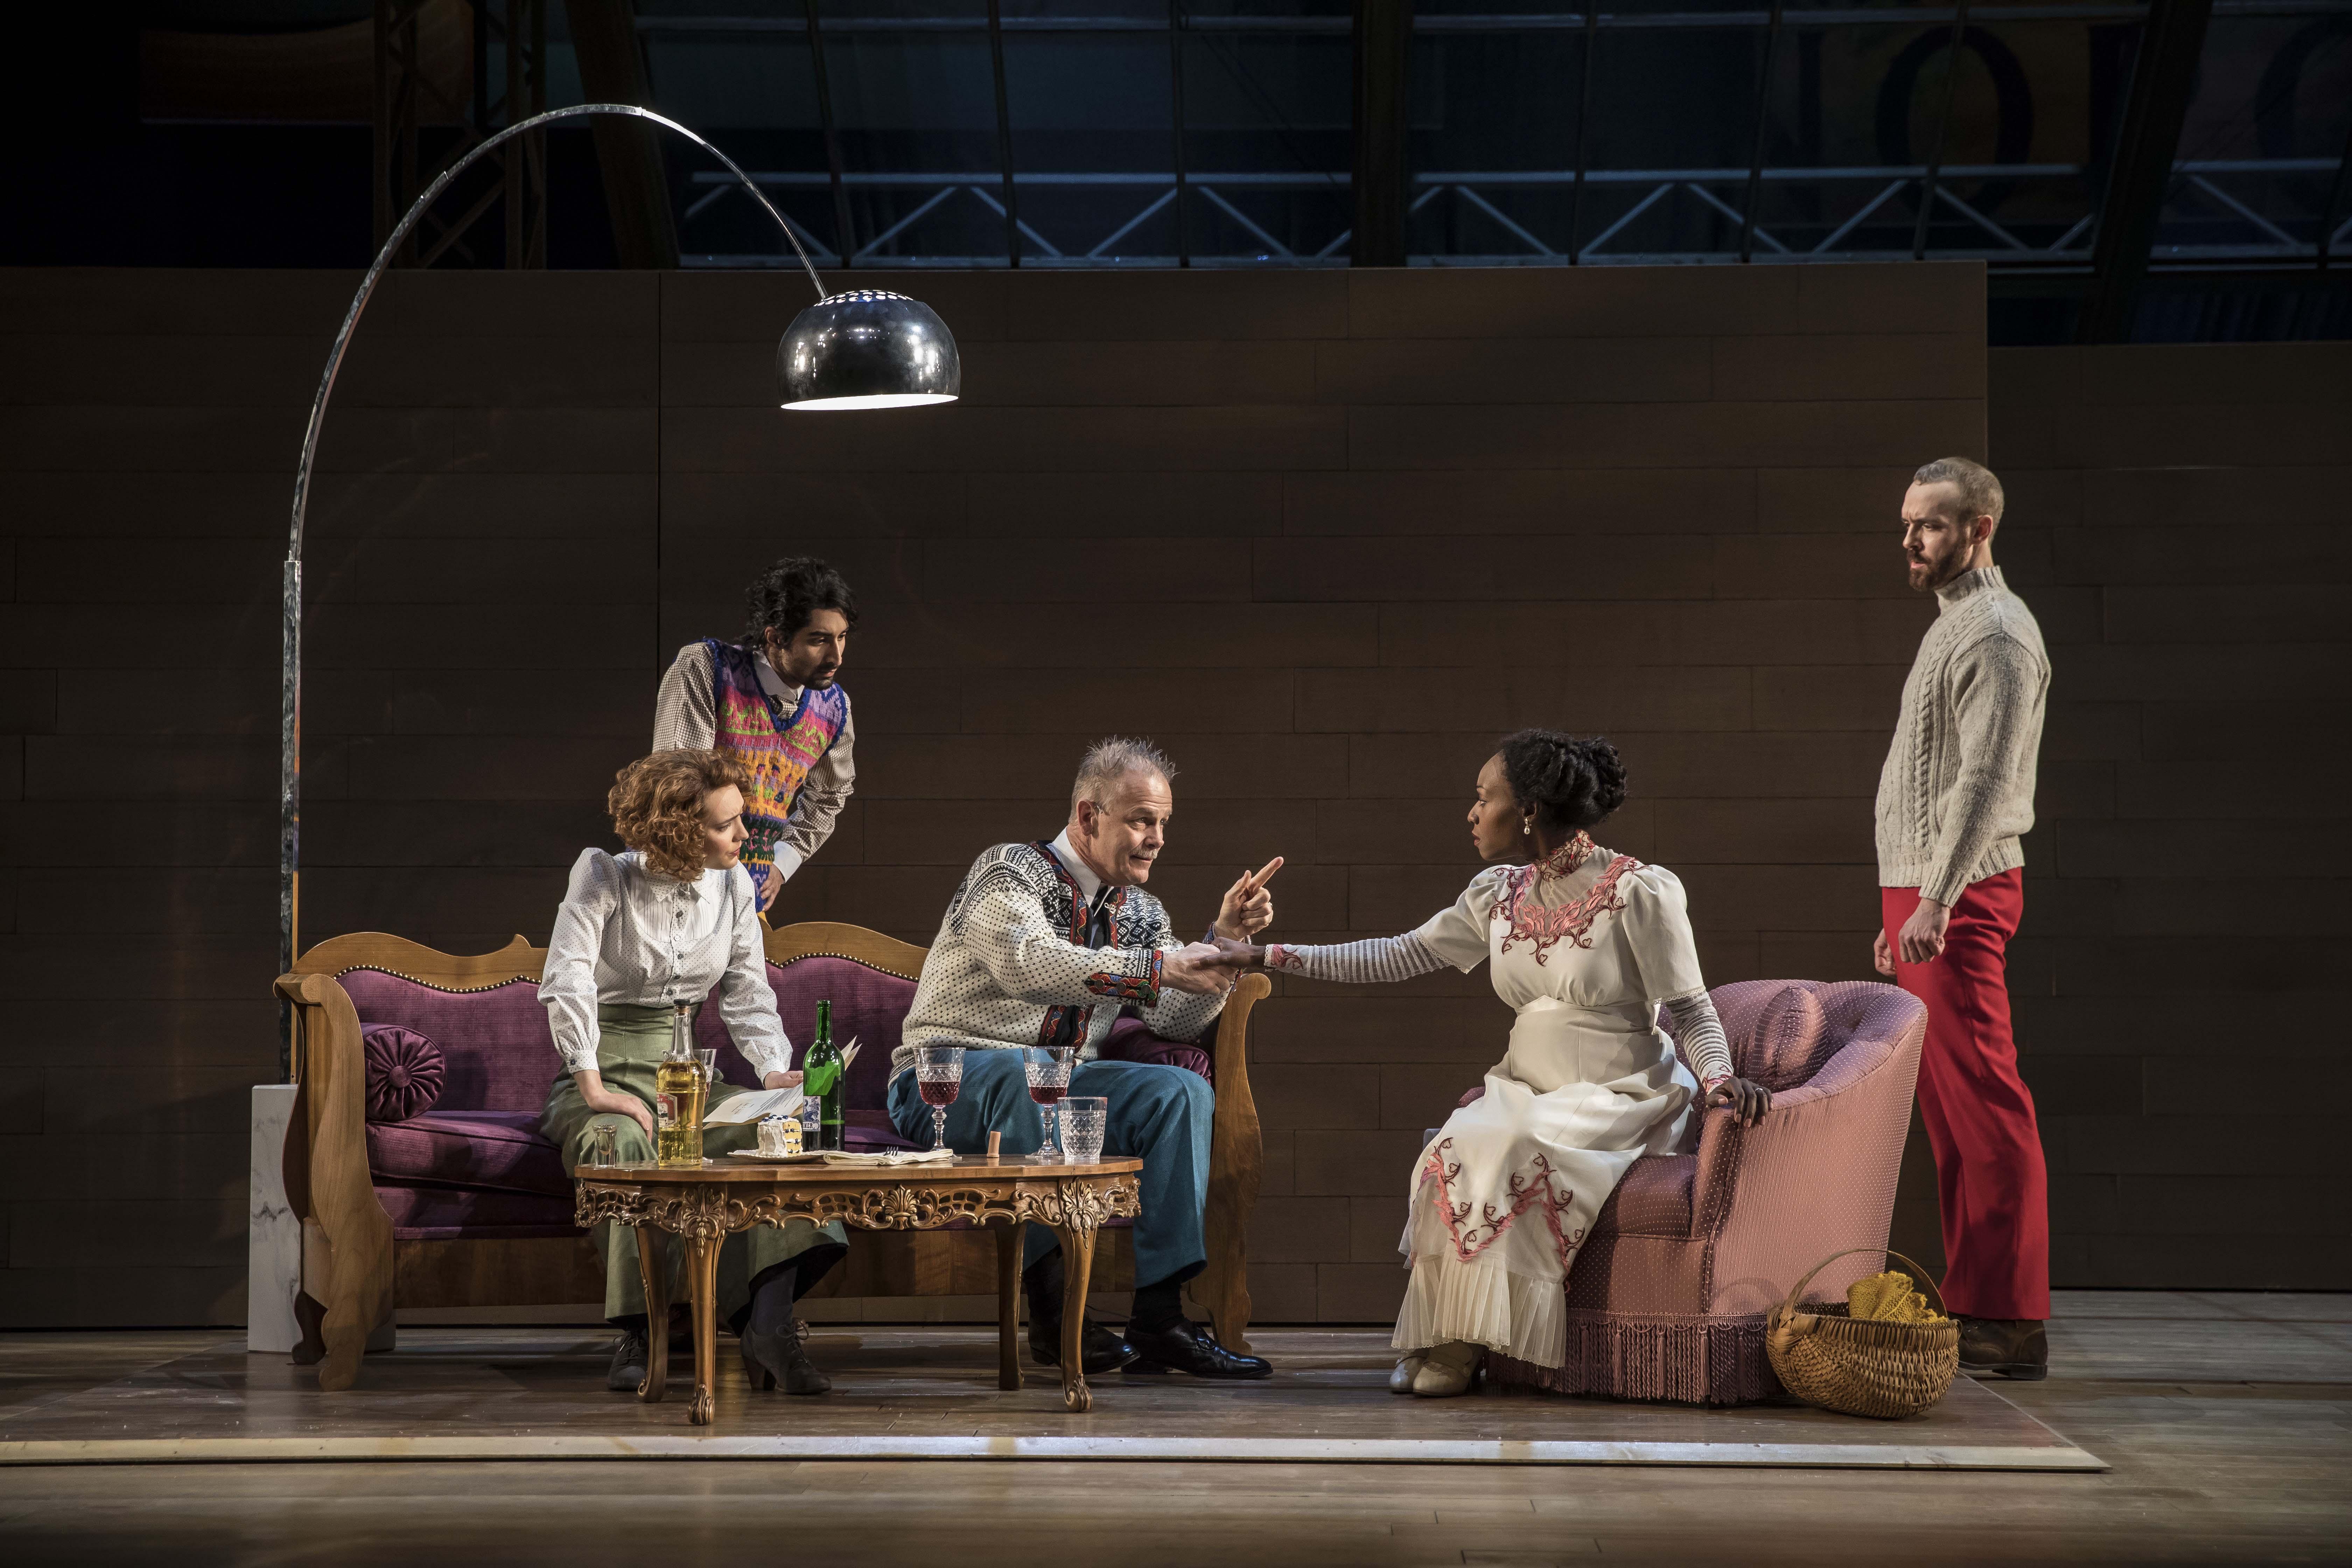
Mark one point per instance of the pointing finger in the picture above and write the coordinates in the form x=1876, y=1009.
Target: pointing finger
x=1264, y=873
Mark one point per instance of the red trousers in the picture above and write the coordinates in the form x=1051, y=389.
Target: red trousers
x=1989, y=1180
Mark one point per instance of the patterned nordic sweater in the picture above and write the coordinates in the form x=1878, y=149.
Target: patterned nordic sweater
x=1957, y=789
x=1008, y=968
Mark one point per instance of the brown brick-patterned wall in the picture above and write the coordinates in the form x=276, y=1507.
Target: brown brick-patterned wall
x=1366, y=523
x=2178, y=520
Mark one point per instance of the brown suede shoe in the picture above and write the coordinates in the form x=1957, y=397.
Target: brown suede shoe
x=2004, y=1347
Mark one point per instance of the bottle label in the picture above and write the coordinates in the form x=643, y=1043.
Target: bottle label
x=665, y=1110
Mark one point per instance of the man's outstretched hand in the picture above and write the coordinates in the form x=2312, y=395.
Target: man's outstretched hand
x=1248, y=907
x=1197, y=967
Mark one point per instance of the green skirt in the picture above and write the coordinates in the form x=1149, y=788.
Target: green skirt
x=632, y=1040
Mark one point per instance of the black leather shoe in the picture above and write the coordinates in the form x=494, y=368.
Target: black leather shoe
x=2014, y=1348
x=1099, y=1349
x=1190, y=1347
x=771, y=1358
x=628, y=1369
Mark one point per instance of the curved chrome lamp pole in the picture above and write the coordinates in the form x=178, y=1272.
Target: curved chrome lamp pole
x=863, y=349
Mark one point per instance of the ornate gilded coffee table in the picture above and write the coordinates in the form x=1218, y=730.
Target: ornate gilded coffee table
x=702, y=1206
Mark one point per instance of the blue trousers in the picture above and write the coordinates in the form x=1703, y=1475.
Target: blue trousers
x=1159, y=1114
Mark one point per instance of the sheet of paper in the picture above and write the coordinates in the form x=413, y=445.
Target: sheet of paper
x=748, y=1108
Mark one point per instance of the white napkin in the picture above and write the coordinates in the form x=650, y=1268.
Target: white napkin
x=888, y=1156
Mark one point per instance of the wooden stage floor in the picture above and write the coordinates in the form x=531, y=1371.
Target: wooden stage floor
x=2224, y=1419
x=930, y=1394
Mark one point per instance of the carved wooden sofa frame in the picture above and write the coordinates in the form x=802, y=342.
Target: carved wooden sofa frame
x=355, y=1274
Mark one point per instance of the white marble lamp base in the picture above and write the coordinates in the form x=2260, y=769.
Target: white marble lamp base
x=273, y=1234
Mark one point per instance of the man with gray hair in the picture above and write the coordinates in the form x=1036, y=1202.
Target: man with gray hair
x=1049, y=944
x=1955, y=798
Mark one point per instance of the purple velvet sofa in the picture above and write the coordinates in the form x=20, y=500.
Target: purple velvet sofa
x=422, y=1179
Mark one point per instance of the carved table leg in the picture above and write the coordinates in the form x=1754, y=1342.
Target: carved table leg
x=1078, y=1264
x=653, y=1259
x=1008, y=1304
x=702, y=1270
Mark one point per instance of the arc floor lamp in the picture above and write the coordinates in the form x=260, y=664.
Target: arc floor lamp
x=865, y=348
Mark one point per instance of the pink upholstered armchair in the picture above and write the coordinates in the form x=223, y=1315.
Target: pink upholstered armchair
x=1667, y=1298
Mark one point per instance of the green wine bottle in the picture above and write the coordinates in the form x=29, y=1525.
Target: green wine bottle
x=822, y=1081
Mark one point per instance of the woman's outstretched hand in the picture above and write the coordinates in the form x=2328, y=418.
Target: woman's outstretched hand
x=1751, y=1100
x=1240, y=956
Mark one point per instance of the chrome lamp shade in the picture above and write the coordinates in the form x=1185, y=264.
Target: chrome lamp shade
x=867, y=348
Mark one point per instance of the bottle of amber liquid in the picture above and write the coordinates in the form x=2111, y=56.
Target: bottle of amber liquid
x=678, y=1092
x=822, y=1081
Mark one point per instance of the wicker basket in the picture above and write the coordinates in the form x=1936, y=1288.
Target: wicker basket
x=1857, y=1367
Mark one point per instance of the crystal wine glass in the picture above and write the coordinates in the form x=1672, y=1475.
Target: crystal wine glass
x=938, y=1074
x=1048, y=1071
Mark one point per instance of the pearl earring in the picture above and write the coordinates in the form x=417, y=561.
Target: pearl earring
x=1527, y=829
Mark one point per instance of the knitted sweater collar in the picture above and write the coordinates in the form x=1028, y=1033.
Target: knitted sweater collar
x=1980, y=580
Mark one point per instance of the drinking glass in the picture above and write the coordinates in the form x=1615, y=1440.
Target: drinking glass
x=938, y=1074
x=710, y=1069
x=605, y=1144
x=1048, y=1070
x=1084, y=1117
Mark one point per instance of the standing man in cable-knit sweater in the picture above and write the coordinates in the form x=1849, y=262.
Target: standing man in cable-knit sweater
x=1956, y=795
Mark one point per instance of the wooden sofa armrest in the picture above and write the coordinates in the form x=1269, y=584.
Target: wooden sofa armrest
x=1236, y=1158
x=347, y=1258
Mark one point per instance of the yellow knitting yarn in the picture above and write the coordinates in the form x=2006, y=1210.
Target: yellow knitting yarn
x=1888, y=1298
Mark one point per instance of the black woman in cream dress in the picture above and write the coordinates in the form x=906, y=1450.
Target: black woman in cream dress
x=1586, y=945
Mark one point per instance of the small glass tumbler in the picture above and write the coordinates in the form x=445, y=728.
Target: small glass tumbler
x=605, y=1144
x=1084, y=1117
x=938, y=1075
x=710, y=1060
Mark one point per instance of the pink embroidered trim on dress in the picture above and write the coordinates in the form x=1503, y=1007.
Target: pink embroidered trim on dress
x=1567, y=858
x=1526, y=1192
x=1571, y=924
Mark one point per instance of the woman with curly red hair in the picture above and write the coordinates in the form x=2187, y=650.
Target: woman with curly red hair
x=638, y=934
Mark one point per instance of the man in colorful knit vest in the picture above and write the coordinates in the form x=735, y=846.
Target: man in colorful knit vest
x=1955, y=798
x=1050, y=943
x=773, y=700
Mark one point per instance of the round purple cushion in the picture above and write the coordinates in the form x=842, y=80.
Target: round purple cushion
x=404, y=1071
